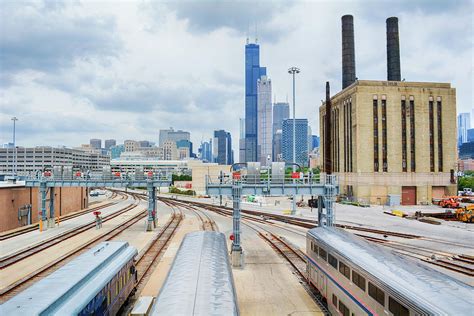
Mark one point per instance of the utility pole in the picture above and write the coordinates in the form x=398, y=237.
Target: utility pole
x=14, y=119
x=293, y=71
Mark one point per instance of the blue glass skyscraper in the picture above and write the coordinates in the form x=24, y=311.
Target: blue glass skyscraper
x=301, y=137
x=253, y=72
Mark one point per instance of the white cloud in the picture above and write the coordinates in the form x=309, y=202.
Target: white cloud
x=126, y=69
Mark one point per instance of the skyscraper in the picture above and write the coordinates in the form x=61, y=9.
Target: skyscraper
x=264, y=119
x=464, y=123
x=109, y=143
x=301, y=137
x=222, y=148
x=96, y=143
x=253, y=72
x=281, y=111
x=172, y=135
x=242, y=140
x=205, y=151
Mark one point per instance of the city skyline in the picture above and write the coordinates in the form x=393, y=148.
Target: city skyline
x=118, y=85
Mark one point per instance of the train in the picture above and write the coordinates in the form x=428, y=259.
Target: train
x=356, y=277
x=200, y=280
x=97, y=282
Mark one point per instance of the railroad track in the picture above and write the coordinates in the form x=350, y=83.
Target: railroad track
x=463, y=264
x=47, y=243
x=52, y=266
x=207, y=223
x=148, y=258
x=33, y=227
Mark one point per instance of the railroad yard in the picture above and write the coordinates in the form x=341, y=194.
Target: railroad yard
x=273, y=277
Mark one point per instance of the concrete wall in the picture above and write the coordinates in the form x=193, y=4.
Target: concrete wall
x=67, y=200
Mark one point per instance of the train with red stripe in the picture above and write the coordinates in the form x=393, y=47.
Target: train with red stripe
x=357, y=277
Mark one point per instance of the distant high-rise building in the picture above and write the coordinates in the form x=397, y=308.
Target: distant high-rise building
x=242, y=140
x=281, y=111
x=222, y=148
x=264, y=118
x=205, y=151
x=131, y=145
x=464, y=123
x=253, y=72
x=170, y=151
x=301, y=136
x=172, y=135
x=277, y=146
x=96, y=143
x=144, y=144
x=314, y=141
x=116, y=151
x=109, y=143
x=470, y=135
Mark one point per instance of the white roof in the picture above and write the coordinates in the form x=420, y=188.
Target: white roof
x=200, y=281
x=428, y=288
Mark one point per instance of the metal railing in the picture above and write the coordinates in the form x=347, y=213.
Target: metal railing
x=262, y=179
x=82, y=176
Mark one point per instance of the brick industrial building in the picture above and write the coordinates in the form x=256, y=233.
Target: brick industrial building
x=391, y=137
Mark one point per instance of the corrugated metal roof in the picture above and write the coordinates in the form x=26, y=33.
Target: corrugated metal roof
x=428, y=288
x=200, y=281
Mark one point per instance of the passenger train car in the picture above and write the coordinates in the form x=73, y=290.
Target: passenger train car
x=361, y=278
x=97, y=282
x=200, y=281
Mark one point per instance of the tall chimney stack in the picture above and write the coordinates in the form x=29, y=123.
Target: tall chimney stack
x=393, y=50
x=348, y=54
x=327, y=133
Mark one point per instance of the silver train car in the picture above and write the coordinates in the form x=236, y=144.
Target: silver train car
x=97, y=282
x=200, y=281
x=361, y=278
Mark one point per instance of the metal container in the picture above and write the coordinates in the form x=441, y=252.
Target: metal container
x=139, y=173
x=67, y=172
x=278, y=172
x=57, y=172
x=253, y=172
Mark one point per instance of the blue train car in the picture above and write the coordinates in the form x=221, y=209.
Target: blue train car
x=97, y=282
x=361, y=278
x=200, y=281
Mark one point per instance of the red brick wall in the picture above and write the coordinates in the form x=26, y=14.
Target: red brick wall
x=67, y=200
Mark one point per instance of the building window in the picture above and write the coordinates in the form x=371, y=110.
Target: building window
x=404, y=136
x=377, y=294
x=358, y=280
x=343, y=309
x=412, y=135
x=376, y=134
x=431, y=134
x=332, y=261
x=440, y=137
x=384, y=135
x=396, y=308
x=344, y=270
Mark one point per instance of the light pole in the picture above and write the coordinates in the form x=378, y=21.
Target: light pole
x=293, y=71
x=14, y=119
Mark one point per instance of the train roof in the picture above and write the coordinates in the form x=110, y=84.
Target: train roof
x=69, y=289
x=200, y=281
x=414, y=281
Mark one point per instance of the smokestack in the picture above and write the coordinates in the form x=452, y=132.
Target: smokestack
x=393, y=50
x=348, y=54
x=327, y=133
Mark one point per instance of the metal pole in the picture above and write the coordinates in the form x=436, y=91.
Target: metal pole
x=14, y=119
x=294, y=71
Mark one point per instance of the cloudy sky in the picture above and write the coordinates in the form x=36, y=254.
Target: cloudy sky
x=76, y=70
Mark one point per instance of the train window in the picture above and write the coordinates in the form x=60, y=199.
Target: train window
x=344, y=270
x=116, y=288
x=358, y=280
x=343, y=309
x=332, y=261
x=108, y=297
x=323, y=254
x=396, y=308
x=334, y=300
x=377, y=294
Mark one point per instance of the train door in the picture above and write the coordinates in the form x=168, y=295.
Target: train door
x=322, y=284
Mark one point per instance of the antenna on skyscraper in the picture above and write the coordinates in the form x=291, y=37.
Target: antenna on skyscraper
x=256, y=33
x=248, y=31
